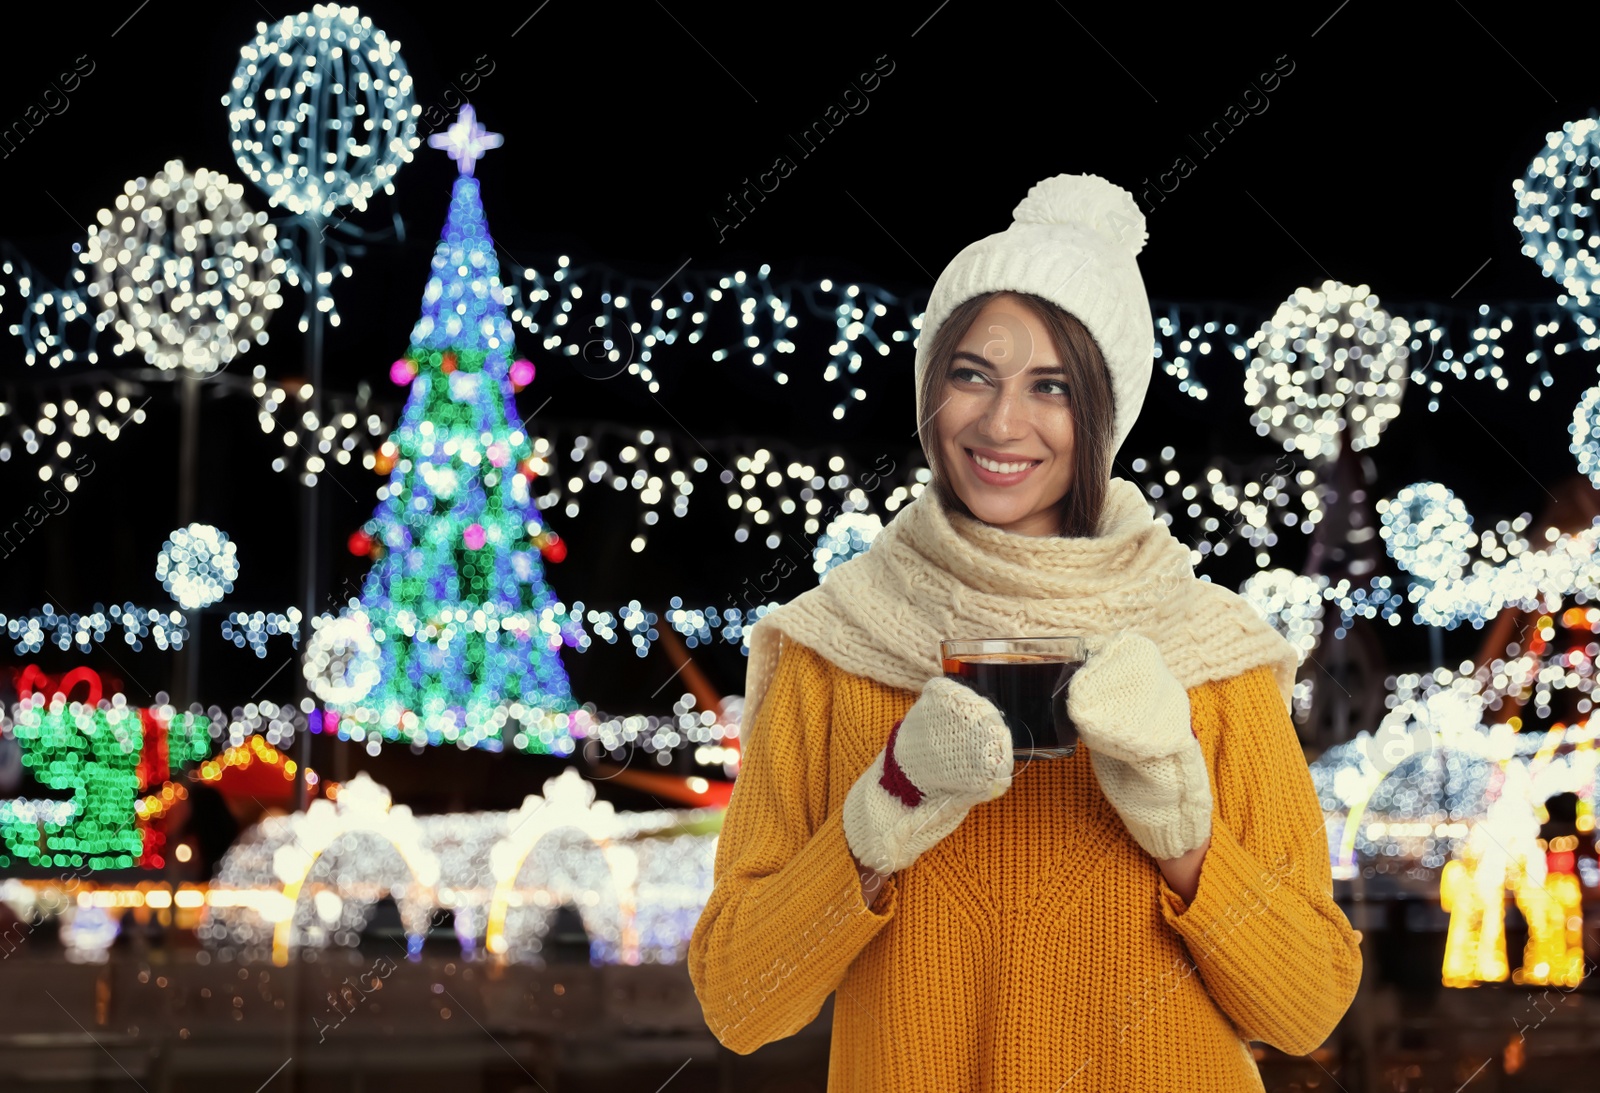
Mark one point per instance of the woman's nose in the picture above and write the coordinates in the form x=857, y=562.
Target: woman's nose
x=1003, y=417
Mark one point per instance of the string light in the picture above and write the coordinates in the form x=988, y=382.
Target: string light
x=254, y=628
x=323, y=116
x=48, y=320
x=57, y=427
x=197, y=565
x=31, y=631
x=183, y=270
x=1322, y=352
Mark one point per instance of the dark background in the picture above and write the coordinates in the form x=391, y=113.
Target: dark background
x=1388, y=154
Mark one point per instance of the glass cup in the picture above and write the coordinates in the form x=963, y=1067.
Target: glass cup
x=1027, y=679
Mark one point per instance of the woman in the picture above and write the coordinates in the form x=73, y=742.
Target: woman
x=1127, y=918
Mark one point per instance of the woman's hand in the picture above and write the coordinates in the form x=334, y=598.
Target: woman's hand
x=951, y=751
x=1133, y=715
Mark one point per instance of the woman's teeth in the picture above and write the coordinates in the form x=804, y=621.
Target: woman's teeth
x=1001, y=468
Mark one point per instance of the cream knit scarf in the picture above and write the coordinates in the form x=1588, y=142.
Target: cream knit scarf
x=933, y=574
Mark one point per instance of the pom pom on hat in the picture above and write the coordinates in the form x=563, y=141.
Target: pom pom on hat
x=1074, y=241
x=1085, y=199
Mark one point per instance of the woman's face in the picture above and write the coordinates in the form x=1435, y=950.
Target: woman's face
x=1004, y=398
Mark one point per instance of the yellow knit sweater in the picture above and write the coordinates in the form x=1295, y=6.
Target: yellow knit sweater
x=1037, y=947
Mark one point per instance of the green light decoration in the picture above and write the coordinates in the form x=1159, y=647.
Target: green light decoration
x=99, y=755
x=456, y=639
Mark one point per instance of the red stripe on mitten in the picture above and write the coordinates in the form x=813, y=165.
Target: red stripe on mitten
x=894, y=779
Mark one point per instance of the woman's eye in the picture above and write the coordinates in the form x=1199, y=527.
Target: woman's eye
x=1060, y=388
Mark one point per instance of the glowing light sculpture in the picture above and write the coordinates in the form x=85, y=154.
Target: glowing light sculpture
x=1328, y=358
x=323, y=116
x=321, y=110
x=183, y=270
x=197, y=565
x=1585, y=430
x=1556, y=214
x=463, y=625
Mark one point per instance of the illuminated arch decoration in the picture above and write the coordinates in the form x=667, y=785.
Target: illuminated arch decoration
x=366, y=833
x=581, y=863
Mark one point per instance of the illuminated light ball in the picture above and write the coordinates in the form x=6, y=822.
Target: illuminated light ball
x=521, y=373
x=322, y=110
x=383, y=462
x=499, y=455
x=341, y=662
x=360, y=543
x=1556, y=210
x=474, y=536
x=402, y=371
x=1292, y=602
x=1327, y=362
x=183, y=270
x=197, y=565
x=1585, y=430
x=447, y=363
x=844, y=538
x=555, y=549
x=1427, y=530
x=527, y=469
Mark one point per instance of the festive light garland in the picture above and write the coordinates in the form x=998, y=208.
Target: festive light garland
x=183, y=270
x=197, y=565
x=48, y=319
x=31, y=631
x=1291, y=602
x=254, y=628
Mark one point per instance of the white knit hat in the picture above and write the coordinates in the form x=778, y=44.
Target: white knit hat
x=1073, y=241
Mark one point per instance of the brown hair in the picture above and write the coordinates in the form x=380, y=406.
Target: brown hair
x=1090, y=398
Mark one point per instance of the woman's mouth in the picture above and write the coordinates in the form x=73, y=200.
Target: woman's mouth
x=999, y=474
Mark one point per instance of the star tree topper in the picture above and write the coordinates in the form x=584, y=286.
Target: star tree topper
x=466, y=140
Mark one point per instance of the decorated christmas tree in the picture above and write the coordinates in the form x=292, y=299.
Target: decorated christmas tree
x=461, y=635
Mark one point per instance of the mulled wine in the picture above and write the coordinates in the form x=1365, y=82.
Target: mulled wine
x=1027, y=679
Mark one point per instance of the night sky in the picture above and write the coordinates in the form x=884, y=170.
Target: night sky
x=1386, y=156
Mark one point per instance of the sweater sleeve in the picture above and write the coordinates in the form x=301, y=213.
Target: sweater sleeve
x=785, y=918
x=1273, y=949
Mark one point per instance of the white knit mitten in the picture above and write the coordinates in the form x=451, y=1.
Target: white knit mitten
x=952, y=750
x=1134, y=716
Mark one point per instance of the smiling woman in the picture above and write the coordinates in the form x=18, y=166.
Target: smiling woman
x=1017, y=379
